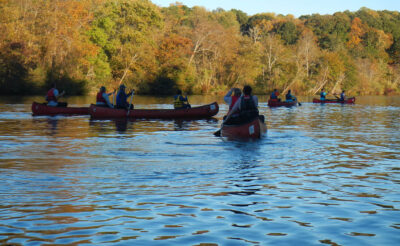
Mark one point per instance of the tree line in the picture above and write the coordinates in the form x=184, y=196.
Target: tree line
x=83, y=44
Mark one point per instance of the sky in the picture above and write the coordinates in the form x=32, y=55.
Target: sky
x=294, y=7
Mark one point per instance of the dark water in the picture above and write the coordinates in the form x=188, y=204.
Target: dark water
x=323, y=175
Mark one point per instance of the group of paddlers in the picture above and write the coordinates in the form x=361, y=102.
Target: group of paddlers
x=241, y=103
x=102, y=98
x=341, y=97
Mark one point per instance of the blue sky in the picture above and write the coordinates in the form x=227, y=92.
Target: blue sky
x=295, y=7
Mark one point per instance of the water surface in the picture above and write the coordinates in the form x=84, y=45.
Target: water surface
x=323, y=175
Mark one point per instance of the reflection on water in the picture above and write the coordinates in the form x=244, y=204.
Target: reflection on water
x=324, y=174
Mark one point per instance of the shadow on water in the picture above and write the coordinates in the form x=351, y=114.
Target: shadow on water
x=186, y=124
x=123, y=125
x=106, y=126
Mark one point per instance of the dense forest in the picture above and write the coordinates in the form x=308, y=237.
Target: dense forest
x=83, y=44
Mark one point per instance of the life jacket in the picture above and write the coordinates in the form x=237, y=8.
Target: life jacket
x=342, y=96
x=178, y=103
x=234, y=100
x=274, y=95
x=248, y=108
x=289, y=97
x=50, y=95
x=247, y=103
x=100, y=98
x=322, y=95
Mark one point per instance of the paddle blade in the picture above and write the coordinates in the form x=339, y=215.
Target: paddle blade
x=217, y=133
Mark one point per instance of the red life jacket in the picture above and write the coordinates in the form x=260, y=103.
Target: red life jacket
x=50, y=95
x=234, y=99
x=100, y=98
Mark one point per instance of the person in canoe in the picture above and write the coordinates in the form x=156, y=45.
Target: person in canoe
x=231, y=99
x=290, y=97
x=322, y=95
x=246, y=107
x=102, y=98
x=342, y=97
x=274, y=95
x=122, y=97
x=180, y=102
x=52, y=97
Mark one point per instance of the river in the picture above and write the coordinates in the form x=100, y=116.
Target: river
x=322, y=175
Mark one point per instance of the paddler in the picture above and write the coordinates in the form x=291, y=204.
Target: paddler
x=53, y=95
x=322, y=95
x=246, y=105
x=102, y=98
x=180, y=102
x=122, y=98
x=231, y=99
x=274, y=95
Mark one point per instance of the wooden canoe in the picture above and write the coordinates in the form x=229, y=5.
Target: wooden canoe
x=252, y=129
x=43, y=109
x=350, y=100
x=204, y=111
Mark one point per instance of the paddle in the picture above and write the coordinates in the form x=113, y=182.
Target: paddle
x=130, y=103
x=299, y=103
x=113, y=103
x=218, y=133
x=187, y=100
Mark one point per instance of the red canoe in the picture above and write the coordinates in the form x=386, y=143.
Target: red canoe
x=204, y=111
x=43, y=109
x=276, y=103
x=251, y=130
x=350, y=100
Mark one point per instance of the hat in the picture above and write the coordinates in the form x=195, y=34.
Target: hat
x=122, y=86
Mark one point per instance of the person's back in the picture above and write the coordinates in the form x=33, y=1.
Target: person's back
x=248, y=104
x=274, y=95
x=289, y=96
x=52, y=97
x=102, y=98
x=245, y=107
x=122, y=97
x=232, y=99
x=342, y=96
x=322, y=95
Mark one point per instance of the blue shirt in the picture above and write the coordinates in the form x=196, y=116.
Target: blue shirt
x=322, y=95
x=121, y=99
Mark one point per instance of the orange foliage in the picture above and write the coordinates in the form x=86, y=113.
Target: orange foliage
x=356, y=32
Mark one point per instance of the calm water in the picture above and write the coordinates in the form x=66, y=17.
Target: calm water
x=323, y=175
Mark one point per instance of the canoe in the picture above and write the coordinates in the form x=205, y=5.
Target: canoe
x=43, y=109
x=204, y=111
x=350, y=100
x=276, y=103
x=252, y=129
